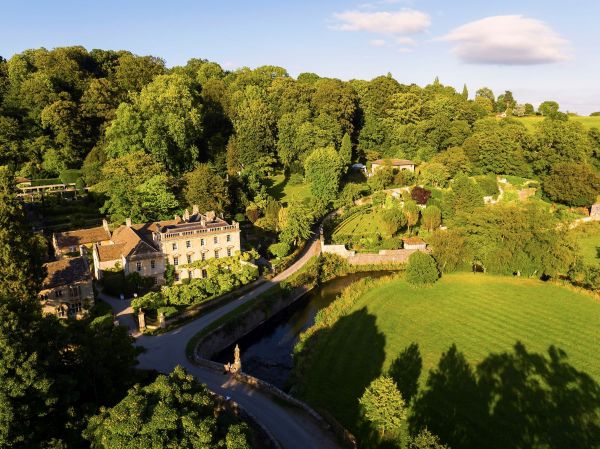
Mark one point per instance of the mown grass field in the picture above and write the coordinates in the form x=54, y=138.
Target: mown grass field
x=588, y=239
x=479, y=313
x=588, y=122
x=282, y=190
x=361, y=223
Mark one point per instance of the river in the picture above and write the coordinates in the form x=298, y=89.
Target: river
x=266, y=352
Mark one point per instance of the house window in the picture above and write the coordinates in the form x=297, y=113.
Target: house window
x=216, y=239
x=153, y=265
x=58, y=293
x=174, y=246
x=188, y=244
x=229, y=237
x=154, y=280
x=228, y=252
x=60, y=312
x=176, y=276
x=216, y=253
x=204, y=273
x=175, y=261
x=203, y=256
x=138, y=266
x=201, y=242
x=189, y=258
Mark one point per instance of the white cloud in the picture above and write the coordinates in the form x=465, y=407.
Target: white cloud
x=403, y=40
x=377, y=42
x=406, y=21
x=507, y=40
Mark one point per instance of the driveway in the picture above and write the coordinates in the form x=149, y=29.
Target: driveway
x=291, y=426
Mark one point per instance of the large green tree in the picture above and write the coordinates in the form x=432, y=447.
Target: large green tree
x=572, y=184
x=137, y=188
x=323, y=170
x=165, y=120
x=382, y=405
x=205, y=188
x=173, y=411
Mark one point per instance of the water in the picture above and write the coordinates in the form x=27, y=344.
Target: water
x=267, y=351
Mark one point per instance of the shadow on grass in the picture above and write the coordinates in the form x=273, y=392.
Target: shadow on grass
x=351, y=355
x=512, y=400
x=406, y=371
x=277, y=190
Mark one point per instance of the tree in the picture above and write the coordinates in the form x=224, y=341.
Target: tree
x=548, y=108
x=323, y=170
x=165, y=120
x=529, y=109
x=420, y=195
x=21, y=253
x=425, y=440
x=296, y=226
x=421, y=269
x=382, y=405
x=381, y=179
x=465, y=196
x=136, y=188
x=391, y=220
x=434, y=174
x=431, y=217
x=520, y=238
x=173, y=411
x=454, y=160
x=206, y=189
x=465, y=92
x=450, y=249
x=346, y=151
x=280, y=249
x=486, y=92
x=572, y=184
x=411, y=212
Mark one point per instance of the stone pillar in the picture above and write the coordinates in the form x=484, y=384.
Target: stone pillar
x=141, y=320
x=161, y=320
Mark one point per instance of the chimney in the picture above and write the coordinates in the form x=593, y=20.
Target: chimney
x=195, y=210
x=128, y=222
x=177, y=218
x=210, y=216
x=186, y=215
x=105, y=225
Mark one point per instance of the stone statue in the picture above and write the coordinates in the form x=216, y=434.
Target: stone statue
x=236, y=366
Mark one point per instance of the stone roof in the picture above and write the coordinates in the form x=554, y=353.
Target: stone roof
x=394, y=162
x=65, y=272
x=413, y=240
x=65, y=240
x=128, y=240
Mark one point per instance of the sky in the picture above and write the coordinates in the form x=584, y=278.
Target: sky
x=538, y=49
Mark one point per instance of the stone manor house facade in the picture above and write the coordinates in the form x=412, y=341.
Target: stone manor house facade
x=147, y=248
x=144, y=248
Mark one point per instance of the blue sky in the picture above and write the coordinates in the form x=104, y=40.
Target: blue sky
x=538, y=49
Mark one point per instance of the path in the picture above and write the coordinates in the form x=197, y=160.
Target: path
x=291, y=426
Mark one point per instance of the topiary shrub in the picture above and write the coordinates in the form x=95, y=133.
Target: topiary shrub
x=421, y=269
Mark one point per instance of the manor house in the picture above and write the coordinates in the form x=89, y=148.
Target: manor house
x=148, y=248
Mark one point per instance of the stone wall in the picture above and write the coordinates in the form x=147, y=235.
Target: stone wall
x=326, y=421
x=226, y=334
x=339, y=250
x=384, y=257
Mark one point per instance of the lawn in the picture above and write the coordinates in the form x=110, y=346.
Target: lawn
x=479, y=313
x=360, y=223
x=284, y=189
x=588, y=239
x=588, y=122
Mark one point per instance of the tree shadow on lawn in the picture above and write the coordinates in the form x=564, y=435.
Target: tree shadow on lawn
x=512, y=400
x=277, y=190
x=351, y=355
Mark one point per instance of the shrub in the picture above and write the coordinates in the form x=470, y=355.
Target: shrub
x=167, y=311
x=420, y=195
x=404, y=178
x=421, y=269
x=488, y=184
x=383, y=178
x=280, y=249
x=252, y=212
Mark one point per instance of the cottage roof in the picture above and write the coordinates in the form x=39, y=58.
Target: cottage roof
x=413, y=240
x=65, y=240
x=66, y=271
x=394, y=162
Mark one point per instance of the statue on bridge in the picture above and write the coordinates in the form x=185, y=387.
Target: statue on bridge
x=236, y=366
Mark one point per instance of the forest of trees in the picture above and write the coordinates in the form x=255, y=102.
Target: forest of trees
x=121, y=116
